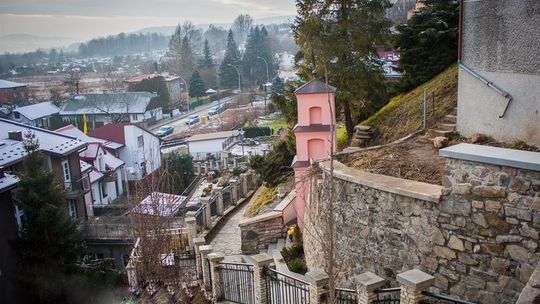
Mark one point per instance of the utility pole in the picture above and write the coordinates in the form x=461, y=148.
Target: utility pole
x=237, y=71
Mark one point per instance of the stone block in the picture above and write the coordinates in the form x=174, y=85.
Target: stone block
x=486, y=276
x=502, y=239
x=489, y=191
x=529, y=232
x=462, y=189
x=444, y=252
x=492, y=249
x=497, y=222
x=531, y=245
x=535, y=206
x=430, y=264
x=437, y=236
x=518, y=213
x=525, y=272
x=467, y=259
x=486, y=297
x=415, y=279
x=440, y=281
x=493, y=206
x=519, y=184
x=456, y=206
x=478, y=204
x=369, y=281
x=455, y=243
x=479, y=219
x=474, y=282
x=440, y=142
x=512, y=221
x=519, y=253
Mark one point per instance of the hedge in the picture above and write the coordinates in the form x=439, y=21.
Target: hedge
x=251, y=132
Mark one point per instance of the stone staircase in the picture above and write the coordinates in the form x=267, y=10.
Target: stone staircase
x=362, y=136
x=444, y=128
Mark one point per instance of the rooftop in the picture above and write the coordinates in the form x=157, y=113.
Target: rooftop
x=12, y=151
x=108, y=103
x=142, y=77
x=314, y=87
x=214, y=135
x=38, y=110
x=161, y=204
x=4, y=84
x=75, y=132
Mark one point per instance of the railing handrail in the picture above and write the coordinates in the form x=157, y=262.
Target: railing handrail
x=237, y=264
x=288, y=276
x=345, y=289
x=446, y=298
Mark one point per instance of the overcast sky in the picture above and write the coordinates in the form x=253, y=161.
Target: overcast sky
x=84, y=19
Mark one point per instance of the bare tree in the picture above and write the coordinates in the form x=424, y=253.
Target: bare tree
x=113, y=81
x=73, y=81
x=241, y=27
x=117, y=110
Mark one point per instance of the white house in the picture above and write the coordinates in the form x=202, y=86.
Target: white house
x=107, y=171
x=106, y=108
x=137, y=147
x=201, y=146
x=37, y=115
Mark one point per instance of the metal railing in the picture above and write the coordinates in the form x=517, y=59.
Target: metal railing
x=345, y=296
x=200, y=219
x=434, y=298
x=226, y=196
x=387, y=295
x=282, y=288
x=236, y=282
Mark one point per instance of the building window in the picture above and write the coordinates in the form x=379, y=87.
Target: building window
x=72, y=209
x=135, y=117
x=17, y=115
x=140, y=141
x=101, y=166
x=67, y=174
x=19, y=217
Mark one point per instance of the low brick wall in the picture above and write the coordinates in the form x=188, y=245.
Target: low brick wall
x=260, y=231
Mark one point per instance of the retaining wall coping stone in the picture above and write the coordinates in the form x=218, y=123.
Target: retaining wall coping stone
x=199, y=241
x=216, y=257
x=260, y=218
x=190, y=220
x=400, y=186
x=370, y=281
x=286, y=201
x=262, y=259
x=494, y=155
x=415, y=279
x=317, y=275
x=205, y=249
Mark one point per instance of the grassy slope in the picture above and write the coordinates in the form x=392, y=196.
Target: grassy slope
x=403, y=114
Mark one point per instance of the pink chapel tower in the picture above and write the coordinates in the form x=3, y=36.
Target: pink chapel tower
x=316, y=114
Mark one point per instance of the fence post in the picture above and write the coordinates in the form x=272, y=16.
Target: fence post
x=215, y=259
x=413, y=282
x=191, y=223
x=197, y=242
x=205, y=250
x=244, y=184
x=234, y=192
x=318, y=286
x=259, y=278
x=199, y=168
x=205, y=167
x=365, y=289
x=131, y=271
x=219, y=200
x=207, y=212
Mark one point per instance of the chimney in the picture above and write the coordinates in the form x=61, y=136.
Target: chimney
x=15, y=135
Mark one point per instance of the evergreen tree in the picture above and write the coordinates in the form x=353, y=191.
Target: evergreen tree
x=196, y=85
x=207, y=61
x=278, y=86
x=228, y=76
x=157, y=85
x=341, y=43
x=49, y=237
x=253, y=67
x=180, y=168
x=207, y=68
x=428, y=42
x=187, y=59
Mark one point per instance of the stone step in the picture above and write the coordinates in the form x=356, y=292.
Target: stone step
x=362, y=136
x=280, y=244
x=362, y=128
x=447, y=126
x=362, y=133
x=451, y=119
x=271, y=248
x=432, y=133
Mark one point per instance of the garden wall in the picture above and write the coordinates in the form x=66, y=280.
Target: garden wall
x=478, y=237
x=260, y=231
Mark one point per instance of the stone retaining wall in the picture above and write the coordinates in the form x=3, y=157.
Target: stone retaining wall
x=480, y=241
x=260, y=231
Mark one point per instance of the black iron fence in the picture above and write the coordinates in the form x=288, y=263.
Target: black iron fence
x=345, y=296
x=434, y=298
x=200, y=219
x=387, y=295
x=213, y=206
x=226, y=194
x=236, y=282
x=282, y=288
x=174, y=269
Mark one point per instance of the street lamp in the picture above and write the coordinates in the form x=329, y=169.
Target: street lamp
x=267, y=84
x=242, y=141
x=187, y=91
x=237, y=71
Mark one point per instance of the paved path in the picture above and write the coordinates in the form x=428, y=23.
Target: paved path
x=227, y=240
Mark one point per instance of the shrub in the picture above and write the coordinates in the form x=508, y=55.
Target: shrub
x=293, y=251
x=237, y=171
x=297, y=265
x=257, y=131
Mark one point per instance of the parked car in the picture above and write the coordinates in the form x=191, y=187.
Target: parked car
x=192, y=119
x=164, y=131
x=214, y=110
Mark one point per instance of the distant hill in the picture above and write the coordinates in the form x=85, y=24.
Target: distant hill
x=169, y=30
x=17, y=43
x=403, y=114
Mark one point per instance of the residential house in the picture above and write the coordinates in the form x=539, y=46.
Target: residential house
x=37, y=115
x=105, y=108
x=12, y=92
x=390, y=64
x=499, y=70
x=137, y=147
x=174, y=84
x=202, y=146
x=106, y=170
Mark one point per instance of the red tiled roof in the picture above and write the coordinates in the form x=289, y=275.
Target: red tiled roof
x=113, y=132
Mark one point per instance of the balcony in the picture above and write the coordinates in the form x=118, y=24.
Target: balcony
x=110, y=176
x=76, y=189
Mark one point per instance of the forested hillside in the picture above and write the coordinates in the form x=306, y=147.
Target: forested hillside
x=123, y=44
